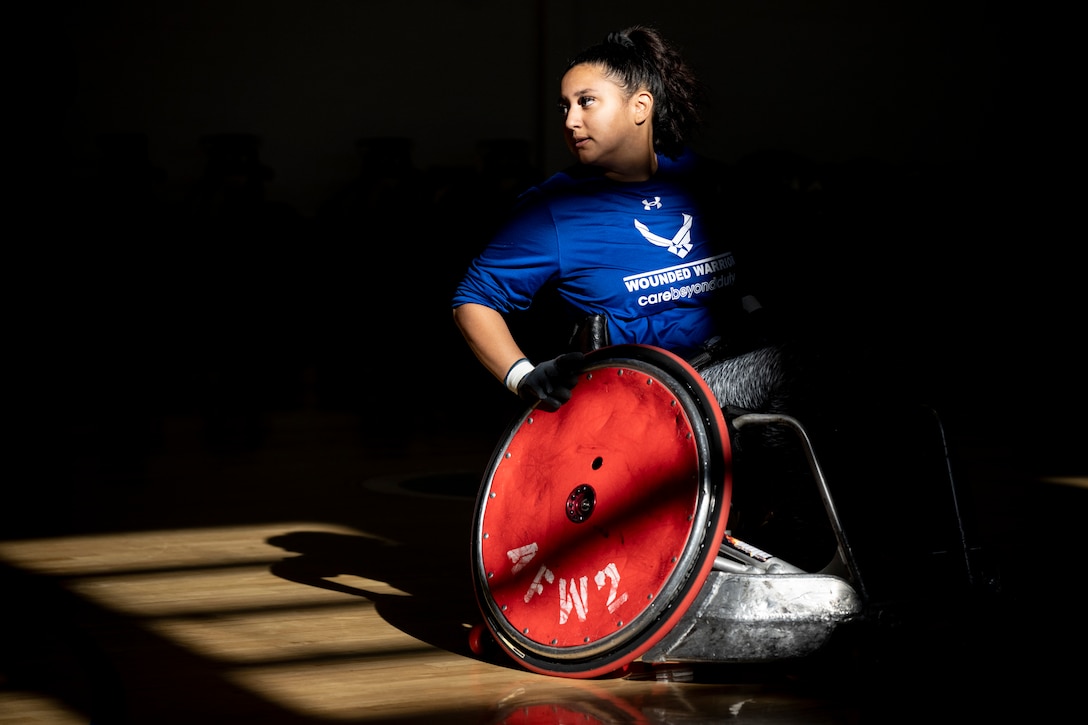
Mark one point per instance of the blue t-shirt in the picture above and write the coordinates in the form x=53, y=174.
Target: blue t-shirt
x=643, y=253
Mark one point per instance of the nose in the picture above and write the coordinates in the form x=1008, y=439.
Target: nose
x=573, y=118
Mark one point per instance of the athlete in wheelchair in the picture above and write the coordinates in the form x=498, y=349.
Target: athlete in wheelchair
x=660, y=497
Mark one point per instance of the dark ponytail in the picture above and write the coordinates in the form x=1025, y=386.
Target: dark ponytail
x=639, y=57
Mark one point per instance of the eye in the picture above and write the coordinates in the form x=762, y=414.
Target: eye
x=586, y=101
x=564, y=108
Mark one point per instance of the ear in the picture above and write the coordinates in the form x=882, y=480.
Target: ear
x=642, y=105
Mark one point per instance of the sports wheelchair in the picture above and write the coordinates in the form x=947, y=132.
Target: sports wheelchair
x=601, y=536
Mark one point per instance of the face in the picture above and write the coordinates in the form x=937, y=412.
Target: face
x=602, y=126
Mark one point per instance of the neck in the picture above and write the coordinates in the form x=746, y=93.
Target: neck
x=640, y=169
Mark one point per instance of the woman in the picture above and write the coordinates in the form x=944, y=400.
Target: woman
x=625, y=237
x=630, y=239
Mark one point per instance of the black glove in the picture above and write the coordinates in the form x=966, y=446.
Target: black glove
x=551, y=382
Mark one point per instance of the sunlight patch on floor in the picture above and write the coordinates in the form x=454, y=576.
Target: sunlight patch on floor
x=215, y=594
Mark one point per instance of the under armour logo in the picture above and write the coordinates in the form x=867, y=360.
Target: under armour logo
x=655, y=204
x=680, y=244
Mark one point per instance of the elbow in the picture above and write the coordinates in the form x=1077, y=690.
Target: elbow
x=459, y=316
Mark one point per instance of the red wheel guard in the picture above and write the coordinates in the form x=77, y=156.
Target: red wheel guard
x=597, y=524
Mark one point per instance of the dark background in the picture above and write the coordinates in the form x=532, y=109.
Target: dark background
x=233, y=209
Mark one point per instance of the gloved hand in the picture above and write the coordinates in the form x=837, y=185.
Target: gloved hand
x=551, y=382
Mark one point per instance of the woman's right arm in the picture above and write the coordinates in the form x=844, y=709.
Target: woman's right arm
x=489, y=337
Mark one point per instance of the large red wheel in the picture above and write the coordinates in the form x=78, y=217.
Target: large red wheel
x=596, y=525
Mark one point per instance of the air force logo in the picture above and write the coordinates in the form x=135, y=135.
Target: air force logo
x=680, y=244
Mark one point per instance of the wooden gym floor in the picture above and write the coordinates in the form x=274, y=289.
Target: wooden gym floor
x=319, y=573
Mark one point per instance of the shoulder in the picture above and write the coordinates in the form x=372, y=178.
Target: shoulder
x=569, y=179
x=573, y=185
x=539, y=205
x=691, y=164
x=706, y=177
